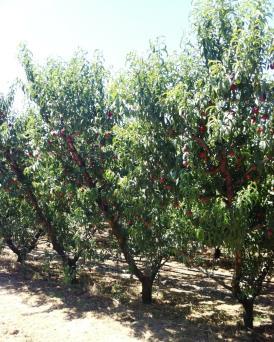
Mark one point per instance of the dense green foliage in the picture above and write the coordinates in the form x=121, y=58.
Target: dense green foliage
x=174, y=153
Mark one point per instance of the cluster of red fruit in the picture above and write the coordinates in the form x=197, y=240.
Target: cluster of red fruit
x=163, y=180
x=264, y=117
x=60, y=133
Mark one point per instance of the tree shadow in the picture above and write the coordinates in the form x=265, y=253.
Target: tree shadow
x=188, y=306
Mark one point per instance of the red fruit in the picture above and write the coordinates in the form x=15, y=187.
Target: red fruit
x=69, y=139
x=189, y=213
x=54, y=133
x=62, y=132
x=171, y=132
x=109, y=114
x=259, y=215
x=202, y=155
x=212, y=169
x=253, y=121
x=231, y=154
x=269, y=233
x=204, y=199
x=146, y=224
x=264, y=117
x=260, y=130
x=262, y=98
x=162, y=180
x=176, y=205
x=248, y=177
x=202, y=129
x=107, y=135
x=167, y=187
x=255, y=110
x=233, y=87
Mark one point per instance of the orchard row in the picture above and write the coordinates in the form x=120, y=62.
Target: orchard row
x=174, y=153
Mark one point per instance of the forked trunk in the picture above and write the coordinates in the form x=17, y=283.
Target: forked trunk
x=21, y=257
x=21, y=254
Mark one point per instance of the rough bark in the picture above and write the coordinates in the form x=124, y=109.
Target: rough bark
x=20, y=257
x=147, y=290
x=25, y=250
x=71, y=265
x=237, y=292
x=248, y=313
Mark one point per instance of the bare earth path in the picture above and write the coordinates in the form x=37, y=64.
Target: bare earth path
x=25, y=318
x=188, y=307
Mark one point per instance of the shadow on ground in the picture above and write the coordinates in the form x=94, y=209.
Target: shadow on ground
x=188, y=306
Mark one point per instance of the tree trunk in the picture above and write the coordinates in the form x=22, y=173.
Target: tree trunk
x=117, y=229
x=248, y=313
x=147, y=290
x=32, y=199
x=71, y=269
x=21, y=257
x=237, y=292
x=68, y=263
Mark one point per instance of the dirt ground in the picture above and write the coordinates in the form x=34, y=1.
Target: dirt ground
x=36, y=306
